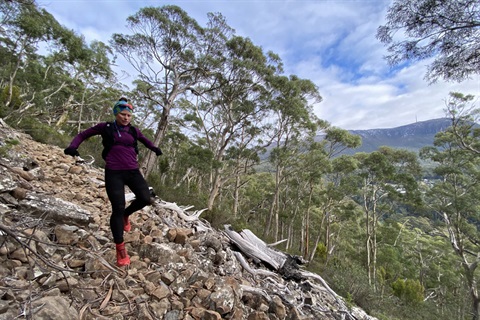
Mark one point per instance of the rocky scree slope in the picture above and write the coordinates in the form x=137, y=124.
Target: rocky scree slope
x=58, y=259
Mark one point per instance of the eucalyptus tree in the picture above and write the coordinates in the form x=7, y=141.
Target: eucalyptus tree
x=412, y=247
x=26, y=27
x=334, y=191
x=85, y=82
x=385, y=179
x=255, y=200
x=456, y=199
x=311, y=168
x=172, y=54
x=334, y=203
x=465, y=116
x=321, y=179
x=192, y=166
x=8, y=11
x=229, y=121
x=243, y=157
x=292, y=123
x=69, y=73
x=447, y=31
x=455, y=195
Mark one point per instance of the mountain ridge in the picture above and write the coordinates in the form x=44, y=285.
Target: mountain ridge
x=412, y=136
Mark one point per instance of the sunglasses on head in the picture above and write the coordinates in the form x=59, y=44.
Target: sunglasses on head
x=125, y=105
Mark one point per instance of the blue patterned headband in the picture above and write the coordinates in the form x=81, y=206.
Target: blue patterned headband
x=122, y=105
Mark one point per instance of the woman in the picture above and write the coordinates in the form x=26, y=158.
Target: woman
x=121, y=169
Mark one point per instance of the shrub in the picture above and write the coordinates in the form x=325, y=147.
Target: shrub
x=351, y=281
x=15, y=102
x=40, y=132
x=411, y=291
x=321, y=252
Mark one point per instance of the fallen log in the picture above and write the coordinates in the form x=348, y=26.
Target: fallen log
x=286, y=265
x=255, y=248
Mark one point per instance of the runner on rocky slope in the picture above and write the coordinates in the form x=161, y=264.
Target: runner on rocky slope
x=121, y=169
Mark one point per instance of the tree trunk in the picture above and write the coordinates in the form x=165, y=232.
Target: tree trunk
x=475, y=303
x=314, y=250
x=374, y=253
x=149, y=161
x=66, y=112
x=368, y=239
x=307, y=224
x=472, y=285
x=277, y=218
x=215, y=187
x=14, y=74
x=328, y=245
x=274, y=206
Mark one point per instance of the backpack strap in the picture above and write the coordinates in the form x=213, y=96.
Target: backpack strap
x=133, y=132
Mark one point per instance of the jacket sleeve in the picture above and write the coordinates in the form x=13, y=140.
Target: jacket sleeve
x=147, y=143
x=82, y=136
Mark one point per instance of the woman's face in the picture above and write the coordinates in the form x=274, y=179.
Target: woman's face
x=123, y=118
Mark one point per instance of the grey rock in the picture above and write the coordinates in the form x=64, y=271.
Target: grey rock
x=55, y=209
x=53, y=308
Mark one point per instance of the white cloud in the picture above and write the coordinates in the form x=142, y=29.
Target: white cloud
x=400, y=100
x=331, y=43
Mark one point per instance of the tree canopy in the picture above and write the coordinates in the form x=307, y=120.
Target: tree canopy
x=447, y=31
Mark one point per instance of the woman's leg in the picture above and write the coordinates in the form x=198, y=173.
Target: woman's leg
x=115, y=187
x=136, y=182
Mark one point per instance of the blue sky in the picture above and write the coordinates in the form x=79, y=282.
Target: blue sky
x=330, y=42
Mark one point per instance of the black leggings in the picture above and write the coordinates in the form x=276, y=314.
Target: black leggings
x=115, y=182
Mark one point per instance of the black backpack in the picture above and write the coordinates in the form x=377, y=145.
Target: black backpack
x=108, y=139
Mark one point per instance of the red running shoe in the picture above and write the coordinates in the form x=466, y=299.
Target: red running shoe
x=122, y=257
x=126, y=224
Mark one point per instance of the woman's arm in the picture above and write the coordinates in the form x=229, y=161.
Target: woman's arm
x=147, y=143
x=82, y=136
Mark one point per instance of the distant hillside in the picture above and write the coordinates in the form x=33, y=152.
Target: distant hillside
x=412, y=137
